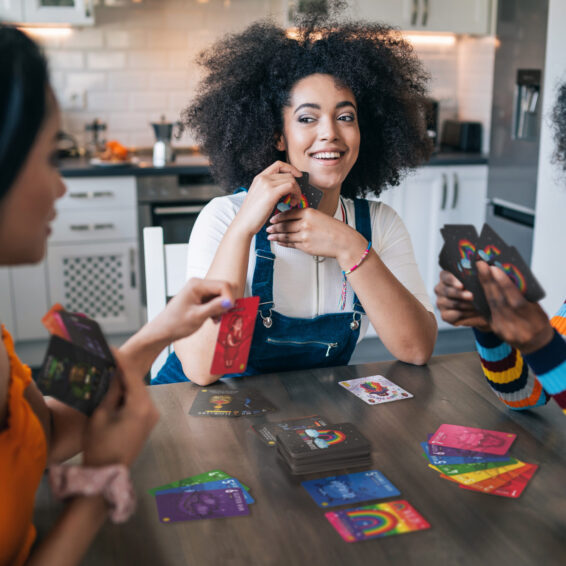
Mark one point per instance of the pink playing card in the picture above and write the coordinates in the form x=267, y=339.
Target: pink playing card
x=475, y=439
x=235, y=337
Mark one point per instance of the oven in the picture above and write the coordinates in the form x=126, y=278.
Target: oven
x=172, y=202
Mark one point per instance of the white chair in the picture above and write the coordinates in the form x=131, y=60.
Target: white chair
x=165, y=274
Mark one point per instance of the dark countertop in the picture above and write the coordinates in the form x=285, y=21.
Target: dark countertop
x=198, y=165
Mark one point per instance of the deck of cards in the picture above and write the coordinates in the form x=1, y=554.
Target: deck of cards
x=477, y=459
x=375, y=389
x=323, y=448
x=268, y=431
x=209, y=495
x=463, y=247
x=78, y=364
x=218, y=401
x=311, y=196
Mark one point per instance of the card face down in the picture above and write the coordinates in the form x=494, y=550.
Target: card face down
x=376, y=521
x=312, y=194
x=235, y=337
x=350, y=488
x=327, y=441
x=218, y=402
x=195, y=505
x=375, y=389
x=473, y=439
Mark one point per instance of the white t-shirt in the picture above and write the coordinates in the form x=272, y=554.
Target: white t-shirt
x=303, y=287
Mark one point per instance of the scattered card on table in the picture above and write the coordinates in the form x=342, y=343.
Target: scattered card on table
x=210, y=486
x=235, y=337
x=218, y=402
x=375, y=521
x=195, y=505
x=474, y=439
x=375, y=389
x=268, y=431
x=512, y=488
x=350, y=488
x=205, y=477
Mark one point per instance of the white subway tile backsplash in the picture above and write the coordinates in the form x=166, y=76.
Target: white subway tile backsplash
x=148, y=100
x=108, y=101
x=106, y=60
x=139, y=62
x=132, y=81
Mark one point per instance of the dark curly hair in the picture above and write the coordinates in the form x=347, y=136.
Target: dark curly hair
x=238, y=111
x=559, y=122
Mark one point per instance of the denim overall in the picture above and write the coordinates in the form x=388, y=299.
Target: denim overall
x=282, y=343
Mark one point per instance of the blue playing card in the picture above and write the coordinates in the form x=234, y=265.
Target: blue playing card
x=465, y=457
x=350, y=488
x=211, y=485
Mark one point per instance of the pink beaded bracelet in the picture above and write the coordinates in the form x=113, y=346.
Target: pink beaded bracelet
x=344, y=273
x=112, y=482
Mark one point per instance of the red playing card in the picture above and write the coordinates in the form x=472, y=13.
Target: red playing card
x=475, y=439
x=235, y=337
x=512, y=488
x=52, y=321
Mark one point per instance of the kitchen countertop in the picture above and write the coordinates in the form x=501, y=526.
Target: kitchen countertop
x=198, y=165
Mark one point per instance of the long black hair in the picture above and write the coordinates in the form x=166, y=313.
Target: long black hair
x=237, y=114
x=23, y=101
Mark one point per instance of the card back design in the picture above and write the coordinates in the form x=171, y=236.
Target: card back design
x=474, y=439
x=375, y=389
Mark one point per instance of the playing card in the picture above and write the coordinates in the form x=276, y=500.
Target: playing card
x=312, y=194
x=490, y=246
x=350, y=488
x=512, y=488
x=254, y=403
x=475, y=477
x=327, y=441
x=375, y=389
x=324, y=466
x=442, y=456
x=74, y=375
x=209, y=486
x=457, y=469
x=375, y=521
x=195, y=505
x=474, y=439
x=268, y=431
x=224, y=402
x=213, y=475
x=235, y=337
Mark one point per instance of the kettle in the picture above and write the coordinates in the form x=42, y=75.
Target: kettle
x=162, y=151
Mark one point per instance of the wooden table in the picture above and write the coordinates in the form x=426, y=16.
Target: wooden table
x=287, y=528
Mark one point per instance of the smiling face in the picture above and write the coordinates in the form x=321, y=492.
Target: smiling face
x=29, y=206
x=321, y=134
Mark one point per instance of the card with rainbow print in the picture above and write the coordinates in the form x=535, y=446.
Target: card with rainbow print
x=376, y=521
x=375, y=389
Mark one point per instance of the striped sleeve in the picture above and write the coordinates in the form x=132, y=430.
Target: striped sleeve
x=507, y=372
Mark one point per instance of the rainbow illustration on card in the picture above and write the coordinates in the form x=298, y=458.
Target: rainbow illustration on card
x=322, y=438
x=515, y=275
x=467, y=250
x=285, y=204
x=373, y=522
x=489, y=252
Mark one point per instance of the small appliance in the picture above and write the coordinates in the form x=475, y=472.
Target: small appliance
x=162, y=151
x=461, y=136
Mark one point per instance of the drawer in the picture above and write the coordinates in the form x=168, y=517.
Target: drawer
x=102, y=225
x=100, y=192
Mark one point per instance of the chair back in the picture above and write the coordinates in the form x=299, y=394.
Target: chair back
x=165, y=274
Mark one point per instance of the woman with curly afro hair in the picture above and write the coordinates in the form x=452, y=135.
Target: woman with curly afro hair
x=522, y=352
x=343, y=104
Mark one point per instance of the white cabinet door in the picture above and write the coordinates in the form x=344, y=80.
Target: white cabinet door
x=456, y=16
x=31, y=301
x=99, y=280
x=11, y=10
x=6, y=301
x=78, y=12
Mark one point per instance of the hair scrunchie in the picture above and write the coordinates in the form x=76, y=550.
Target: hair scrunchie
x=112, y=482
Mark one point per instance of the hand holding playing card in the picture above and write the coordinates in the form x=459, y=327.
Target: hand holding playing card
x=455, y=303
x=517, y=321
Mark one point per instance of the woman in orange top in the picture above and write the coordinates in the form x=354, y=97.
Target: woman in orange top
x=37, y=432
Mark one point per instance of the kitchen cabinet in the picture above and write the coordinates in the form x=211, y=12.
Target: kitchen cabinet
x=456, y=16
x=76, y=12
x=92, y=258
x=432, y=197
x=11, y=10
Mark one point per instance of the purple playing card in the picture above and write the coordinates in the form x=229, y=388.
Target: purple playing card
x=436, y=450
x=195, y=505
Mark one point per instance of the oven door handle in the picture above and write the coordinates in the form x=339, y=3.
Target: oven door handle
x=173, y=210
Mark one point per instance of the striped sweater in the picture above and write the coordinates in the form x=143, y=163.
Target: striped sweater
x=507, y=371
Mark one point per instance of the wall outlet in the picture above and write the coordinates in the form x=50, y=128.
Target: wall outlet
x=74, y=99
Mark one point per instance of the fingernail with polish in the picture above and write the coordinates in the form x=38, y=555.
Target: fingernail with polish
x=226, y=303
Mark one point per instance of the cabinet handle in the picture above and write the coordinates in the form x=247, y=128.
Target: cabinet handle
x=456, y=189
x=89, y=194
x=425, y=14
x=109, y=226
x=132, y=268
x=415, y=13
x=80, y=227
x=444, y=191
x=88, y=227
